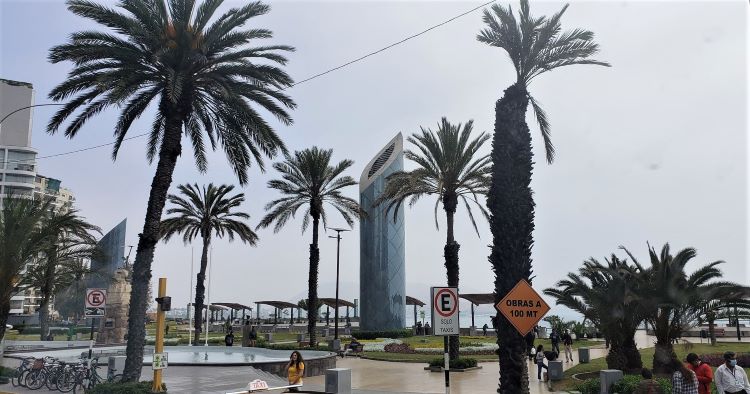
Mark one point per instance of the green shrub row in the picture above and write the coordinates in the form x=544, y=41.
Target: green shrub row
x=124, y=388
x=383, y=334
x=54, y=330
x=626, y=385
x=459, y=363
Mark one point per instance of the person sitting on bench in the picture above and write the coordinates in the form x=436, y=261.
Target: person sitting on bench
x=351, y=347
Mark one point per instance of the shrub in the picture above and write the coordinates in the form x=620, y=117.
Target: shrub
x=715, y=360
x=383, y=334
x=629, y=383
x=589, y=386
x=124, y=388
x=459, y=363
x=398, y=348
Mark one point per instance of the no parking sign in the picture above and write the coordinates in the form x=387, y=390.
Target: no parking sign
x=444, y=311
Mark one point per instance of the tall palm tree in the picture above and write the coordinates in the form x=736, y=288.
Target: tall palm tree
x=671, y=296
x=309, y=181
x=608, y=296
x=206, y=212
x=711, y=310
x=535, y=45
x=451, y=168
x=71, y=242
x=26, y=229
x=195, y=68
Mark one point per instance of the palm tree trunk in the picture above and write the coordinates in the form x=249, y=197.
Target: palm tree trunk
x=450, y=202
x=632, y=354
x=663, y=350
x=200, y=290
x=617, y=356
x=46, y=291
x=149, y=236
x=4, y=312
x=712, y=332
x=44, y=316
x=511, y=208
x=312, y=290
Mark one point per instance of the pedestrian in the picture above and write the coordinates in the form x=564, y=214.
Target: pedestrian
x=427, y=328
x=419, y=328
x=253, y=336
x=730, y=378
x=684, y=380
x=295, y=370
x=648, y=385
x=484, y=329
x=530, y=345
x=540, y=361
x=568, y=344
x=702, y=371
x=229, y=338
x=554, y=337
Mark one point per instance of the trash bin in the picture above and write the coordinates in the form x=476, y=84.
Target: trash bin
x=583, y=355
x=115, y=365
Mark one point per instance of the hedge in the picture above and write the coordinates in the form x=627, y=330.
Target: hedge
x=716, y=360
x=53, y=330
x=383, y=334
x=459, y=363
x=626, y=385
x=124, y=388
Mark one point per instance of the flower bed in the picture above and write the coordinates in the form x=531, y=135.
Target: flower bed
x=379, y=346
x=715, y=360
x=398, y=348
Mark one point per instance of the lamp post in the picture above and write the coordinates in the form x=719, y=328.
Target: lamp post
x=338, y=254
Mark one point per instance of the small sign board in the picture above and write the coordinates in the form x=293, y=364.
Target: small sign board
x=523, y=307
x=160, y=361
x=258, y=385
x=444, y=311
x=95, y=303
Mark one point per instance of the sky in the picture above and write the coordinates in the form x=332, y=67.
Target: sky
x=652, y=149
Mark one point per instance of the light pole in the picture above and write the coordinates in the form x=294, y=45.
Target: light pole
x=338, y=254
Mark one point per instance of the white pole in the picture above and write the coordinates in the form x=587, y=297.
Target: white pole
x=190, y=299
x=208, y=291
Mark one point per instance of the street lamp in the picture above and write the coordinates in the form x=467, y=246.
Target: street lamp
x=338, y=253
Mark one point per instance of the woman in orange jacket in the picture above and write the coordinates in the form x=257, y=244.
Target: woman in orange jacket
x=703, y=372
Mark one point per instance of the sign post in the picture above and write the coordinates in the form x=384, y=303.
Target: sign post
x=523, y=307
x=445, y=321
x=95, y=306
x=159, y=360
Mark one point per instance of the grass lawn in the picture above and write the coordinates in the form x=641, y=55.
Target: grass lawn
x=647, y=356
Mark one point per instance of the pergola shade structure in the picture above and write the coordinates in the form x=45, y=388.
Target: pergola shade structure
x=234, y=307
x=478, y=299
x=416, y=303
x=212, y=308
x=331, y=303
x=278, y=305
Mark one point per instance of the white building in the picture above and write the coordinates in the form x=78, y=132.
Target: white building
x=17, y=157
x=49, y=188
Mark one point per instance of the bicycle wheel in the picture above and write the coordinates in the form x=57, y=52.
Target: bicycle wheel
x=52, y=377
x=35, y=379
x=15, y=378
x=66, y=381
x=116, y=379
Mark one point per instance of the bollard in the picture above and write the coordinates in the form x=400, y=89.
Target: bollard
x=555, y=370
x=584, y=355
x=608, y=377
x=339, y=381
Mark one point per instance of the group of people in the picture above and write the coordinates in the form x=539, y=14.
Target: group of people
x=423, y=330
x=696, y=377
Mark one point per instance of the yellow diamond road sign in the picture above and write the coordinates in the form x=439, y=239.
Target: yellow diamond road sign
x=523, y=307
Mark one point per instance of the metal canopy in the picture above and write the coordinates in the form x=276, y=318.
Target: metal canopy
x=413, y=301
x=232, y=305
x=479, y=299
x=214, y=307
x=278, y=304
x=332, y=302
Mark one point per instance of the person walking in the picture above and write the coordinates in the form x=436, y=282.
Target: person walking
x=295, y=370
x=253, y=336
x=484, y=329
x=229, y=339
x=568, y=344
x=731, y=378
x=684, y=380
x=540, y=361
x=702, y=371
x=554, y=337
x=530, y=344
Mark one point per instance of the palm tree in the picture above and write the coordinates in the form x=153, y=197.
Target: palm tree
x=206, y=212
x=607, y=295
x=671, y=297
x=535, y=46
x=449, y=167
x=309, y=180
x=714, y=309
x=61, y=253
x=69, y=300
x=22, y=239
x=192, y=66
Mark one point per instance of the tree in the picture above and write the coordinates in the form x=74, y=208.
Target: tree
x=535, y=46
x=206, y=212
x=671, y=297
x=70, y=241
x=22, y=239
x=608, y=296
x=194, y=67
x=714, y=309
x=309, y=180
x=69, y=300
x=451, y=168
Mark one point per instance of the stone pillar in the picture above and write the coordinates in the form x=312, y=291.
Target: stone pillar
x=339, y=380
x=113, y=327
x=583, y=355
x=609, y=377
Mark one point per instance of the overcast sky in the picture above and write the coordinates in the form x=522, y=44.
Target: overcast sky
x=650, y=150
